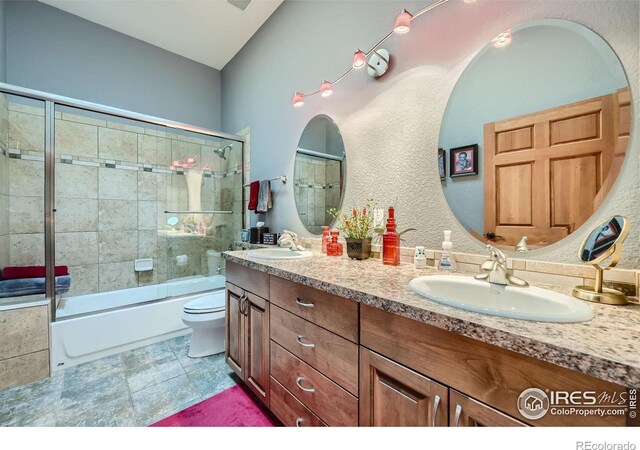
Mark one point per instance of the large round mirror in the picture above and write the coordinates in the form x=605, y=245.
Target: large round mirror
x=534, y=134
x=319, y=173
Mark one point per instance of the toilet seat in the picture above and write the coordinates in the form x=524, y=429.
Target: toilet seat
x=203, y=305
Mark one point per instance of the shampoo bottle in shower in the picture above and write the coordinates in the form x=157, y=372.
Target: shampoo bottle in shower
x=391, y=241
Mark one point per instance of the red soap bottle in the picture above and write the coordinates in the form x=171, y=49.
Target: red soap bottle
x=332, y=247
x=326, y=239
x=391, y=242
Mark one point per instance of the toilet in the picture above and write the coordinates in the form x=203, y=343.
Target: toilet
x=205, y=316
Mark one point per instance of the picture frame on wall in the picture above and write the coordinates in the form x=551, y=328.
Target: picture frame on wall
x=463, y=161
x=442, y=163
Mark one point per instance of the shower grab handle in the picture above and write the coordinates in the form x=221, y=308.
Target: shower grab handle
x=196, y=212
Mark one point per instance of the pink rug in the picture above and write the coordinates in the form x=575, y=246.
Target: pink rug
x=231, y=408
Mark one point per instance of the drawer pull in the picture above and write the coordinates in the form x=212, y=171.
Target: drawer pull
x=306, y=305
x=298, y=421
x=456, y=420
x=299, y=339
x=298, y=380
x=436, y=405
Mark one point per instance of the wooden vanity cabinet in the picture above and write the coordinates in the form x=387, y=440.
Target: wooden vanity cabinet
x=392, y=395
x=467, y=412
x=247, y=339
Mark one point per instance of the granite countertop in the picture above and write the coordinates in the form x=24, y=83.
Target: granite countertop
x=605, y=347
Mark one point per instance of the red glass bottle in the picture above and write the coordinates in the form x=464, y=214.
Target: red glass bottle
x=326, y=238
x=391, y=242
x=333, y=247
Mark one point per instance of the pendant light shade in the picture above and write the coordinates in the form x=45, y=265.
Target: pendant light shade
x=297, y=100
x=402, y=24
x=325, y=89
x=359, y=59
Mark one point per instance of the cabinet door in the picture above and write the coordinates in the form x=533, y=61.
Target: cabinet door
x=467, y=412
x=392, y=395
x=234, y=342
x=256, y=330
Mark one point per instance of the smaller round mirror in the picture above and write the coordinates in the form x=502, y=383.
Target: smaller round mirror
x=601, y=242
x=319, y=172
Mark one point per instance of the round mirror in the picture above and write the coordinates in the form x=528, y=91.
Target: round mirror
x=601, y=242
x=534, y=134
x=319, y=173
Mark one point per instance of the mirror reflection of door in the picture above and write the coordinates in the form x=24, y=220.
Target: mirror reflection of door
x=551, y=116
x=319, y=173
x=547, y=172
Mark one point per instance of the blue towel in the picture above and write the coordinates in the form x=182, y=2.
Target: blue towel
x=264, y=197
x=32, y=286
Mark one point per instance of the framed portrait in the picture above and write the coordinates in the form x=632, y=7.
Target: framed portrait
x=442, y=163
x=463, y=161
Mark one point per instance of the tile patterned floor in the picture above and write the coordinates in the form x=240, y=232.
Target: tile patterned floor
x=135, y=388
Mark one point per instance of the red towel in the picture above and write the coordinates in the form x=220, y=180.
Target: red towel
x=13, y=273
x=254, y=189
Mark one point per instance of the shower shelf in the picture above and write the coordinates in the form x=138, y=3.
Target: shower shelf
x=198, y=212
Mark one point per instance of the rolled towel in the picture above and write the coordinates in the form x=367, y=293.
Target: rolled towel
x=254, y=189
x=14, y=273
x=264, y=197
x=32, y=286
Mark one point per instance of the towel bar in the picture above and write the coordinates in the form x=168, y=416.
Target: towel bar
x=198, y=212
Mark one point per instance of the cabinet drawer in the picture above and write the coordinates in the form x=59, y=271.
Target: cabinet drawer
x=335, y=406
x=335, y=357
x=250, y=280
x=466, y=412
x=334, y=313
x=289, y=410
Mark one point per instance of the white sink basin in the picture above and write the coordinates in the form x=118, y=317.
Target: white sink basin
x=279, y=253
x=527, y=303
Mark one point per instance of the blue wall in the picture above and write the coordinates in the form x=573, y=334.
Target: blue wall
x=54, y=51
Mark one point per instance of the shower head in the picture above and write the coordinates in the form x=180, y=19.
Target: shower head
x=222, y=151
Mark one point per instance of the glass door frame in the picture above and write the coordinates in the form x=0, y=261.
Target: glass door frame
x=51, y=101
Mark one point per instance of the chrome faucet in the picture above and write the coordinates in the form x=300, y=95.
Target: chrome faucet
x=289, y=239
x=496, y=272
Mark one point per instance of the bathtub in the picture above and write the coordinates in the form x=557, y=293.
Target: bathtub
x=93, y=326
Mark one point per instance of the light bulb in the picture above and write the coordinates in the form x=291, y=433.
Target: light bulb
x=325, y=89
x=359, y=59
x=298, y=100
x=402, y=24
x=502, y=40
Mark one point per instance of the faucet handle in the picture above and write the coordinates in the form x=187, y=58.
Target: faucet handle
x=496, y=254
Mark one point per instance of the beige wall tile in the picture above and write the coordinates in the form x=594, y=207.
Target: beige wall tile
x=24, y=369
x=26, y=178
x=181, y=150
x=4, y=251
x=116, y=215
x=468, y=267
x=147, y=215
x=24, y=330
x=75, y=249
x=76, y=214
x=130, y=126
x=26, y=249
x=26, y=132
x=583, y=271
x=154, y=150
x=26, y=214
x=84, y=280
x=469, y=258
x=548, y=278
x=30, y=108
x=4, y=214
x=620, y=276
x=76, y=139
x=115, y=184
x=117, y=145
x=148, y=185
x=148, y=244
x=118, y=275
x=70, y=117
x=73, y=181
x=115, y=246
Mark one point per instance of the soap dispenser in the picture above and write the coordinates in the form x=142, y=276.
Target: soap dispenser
x=446, y=260
x=326, y=238
x=391, y=241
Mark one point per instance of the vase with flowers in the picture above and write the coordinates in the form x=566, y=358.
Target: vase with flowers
x=357, y=228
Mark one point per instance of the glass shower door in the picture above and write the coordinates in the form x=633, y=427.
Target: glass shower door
x=204, y=210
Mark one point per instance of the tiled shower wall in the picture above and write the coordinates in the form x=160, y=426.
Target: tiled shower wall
x=4, y=182
x=317, y=188
x=113, y=184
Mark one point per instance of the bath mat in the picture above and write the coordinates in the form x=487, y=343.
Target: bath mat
x=231, y=408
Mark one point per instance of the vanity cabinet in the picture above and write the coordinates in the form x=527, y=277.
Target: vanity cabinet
x=247, y=339
x=467, y=412
x=392, y=395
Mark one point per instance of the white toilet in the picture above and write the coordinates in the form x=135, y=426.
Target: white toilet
x=205, y=315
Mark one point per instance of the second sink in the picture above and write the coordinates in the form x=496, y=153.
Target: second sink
x=527, y=303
